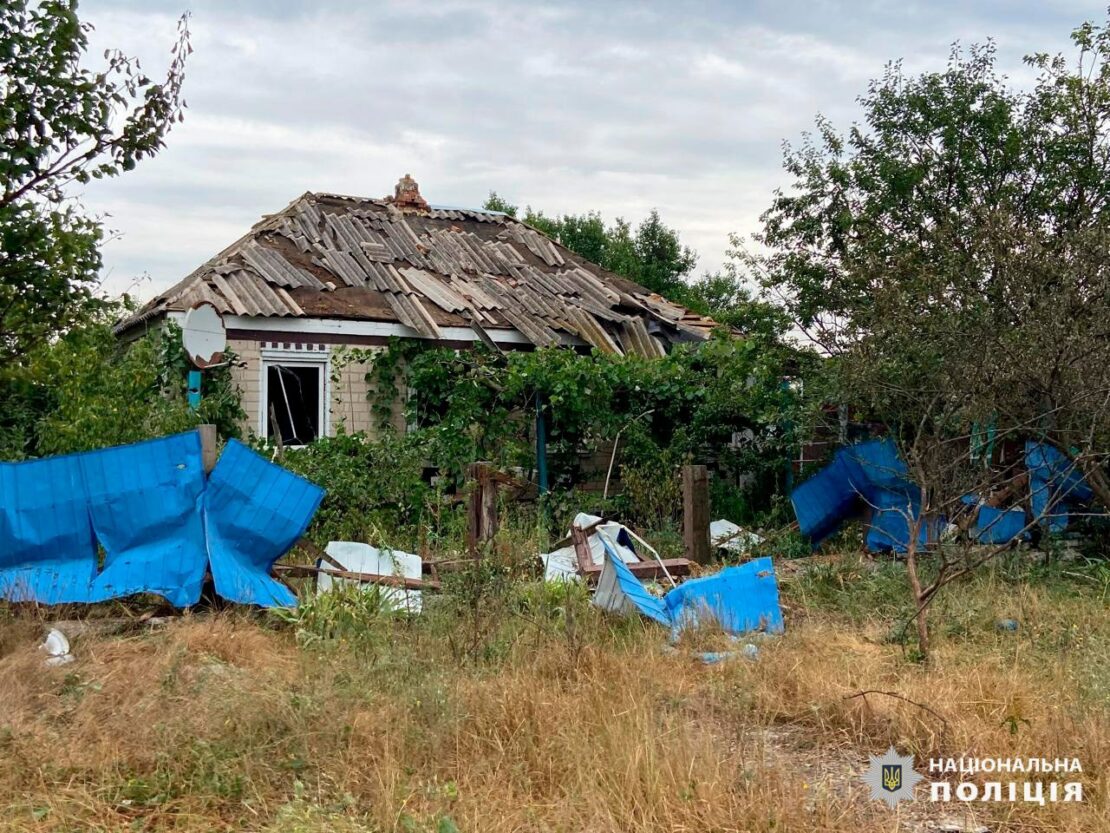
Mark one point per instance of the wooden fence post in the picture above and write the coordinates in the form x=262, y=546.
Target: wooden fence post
x=208, y=447
x=695, y=513
x=481, y=510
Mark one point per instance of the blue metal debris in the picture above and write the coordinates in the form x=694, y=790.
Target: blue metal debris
x=872, y=474
x=255, y=512
x=869, y=474
x=1055, y=486
x=141, y=519
x=737, y=599
x=144, y=504
x=996, y=526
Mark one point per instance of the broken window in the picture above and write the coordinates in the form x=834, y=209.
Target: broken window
x=294, y=402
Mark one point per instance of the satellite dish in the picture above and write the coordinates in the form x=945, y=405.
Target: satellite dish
x=204, y=336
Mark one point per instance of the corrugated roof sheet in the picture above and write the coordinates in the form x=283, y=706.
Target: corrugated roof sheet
x=427, y=269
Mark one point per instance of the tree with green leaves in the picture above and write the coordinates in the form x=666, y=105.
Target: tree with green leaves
x=85, y=389
x=652, y=254
x=949, y=253
x=62, y=123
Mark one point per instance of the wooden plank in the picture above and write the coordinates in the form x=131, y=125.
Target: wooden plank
x=647, y=569
x=309, y=570
x=481, y=510
x=207, y=446
x=695, y=513
x=582, y=552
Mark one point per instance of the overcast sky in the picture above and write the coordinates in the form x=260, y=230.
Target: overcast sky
x=618, y=107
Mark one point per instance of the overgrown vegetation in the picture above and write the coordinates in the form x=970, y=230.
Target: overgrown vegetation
x=536, y=712
x=724, y=400
x=88, y=390
x=949, y=255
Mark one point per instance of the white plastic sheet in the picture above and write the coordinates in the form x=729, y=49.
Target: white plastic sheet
x=357, y=557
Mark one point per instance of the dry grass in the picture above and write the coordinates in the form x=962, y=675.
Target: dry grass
x=222, y=722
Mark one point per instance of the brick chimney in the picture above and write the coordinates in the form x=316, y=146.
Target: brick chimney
x=407, y=194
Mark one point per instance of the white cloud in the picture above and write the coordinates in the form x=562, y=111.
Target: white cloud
x=618, y=107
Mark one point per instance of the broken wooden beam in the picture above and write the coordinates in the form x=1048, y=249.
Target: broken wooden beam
x=309, y=570
x=481, y=512
x=646, y=569
x=695, y=513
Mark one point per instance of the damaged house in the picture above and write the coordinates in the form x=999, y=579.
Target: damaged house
x=329, y=270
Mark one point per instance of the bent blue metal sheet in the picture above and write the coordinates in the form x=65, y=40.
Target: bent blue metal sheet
x=629, y=589
x=145, y=507
x=155, y=521
x=138, y=502
x=1055, y=485
x=999, y=526
x=823, y=501
x=737, y=599
x=870, y=474
x=254, y=512
x=47, y=550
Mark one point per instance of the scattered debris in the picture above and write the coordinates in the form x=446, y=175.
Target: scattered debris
x=582, y=553
x=748, y=651
x=725, y=535
x=57, y=647
x=372, y=565
x=737, y=599
x=872, y=475
x=109, y=626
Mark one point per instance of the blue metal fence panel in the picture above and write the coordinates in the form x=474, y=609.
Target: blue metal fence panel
x=823, y=501
x=999, y=526
x=255, y=511
x=890, y=522
x=869, y=474
x=880, y=466
x=47, y=550
x=145, y=506
x=138, y=502
x=1055, y=485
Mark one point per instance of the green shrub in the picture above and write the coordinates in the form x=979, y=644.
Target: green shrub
x=88, y=390
x=376, y=491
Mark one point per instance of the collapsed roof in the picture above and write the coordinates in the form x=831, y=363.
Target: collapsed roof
x=400, y=260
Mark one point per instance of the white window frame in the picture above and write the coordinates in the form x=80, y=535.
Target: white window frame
x=295, y=358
